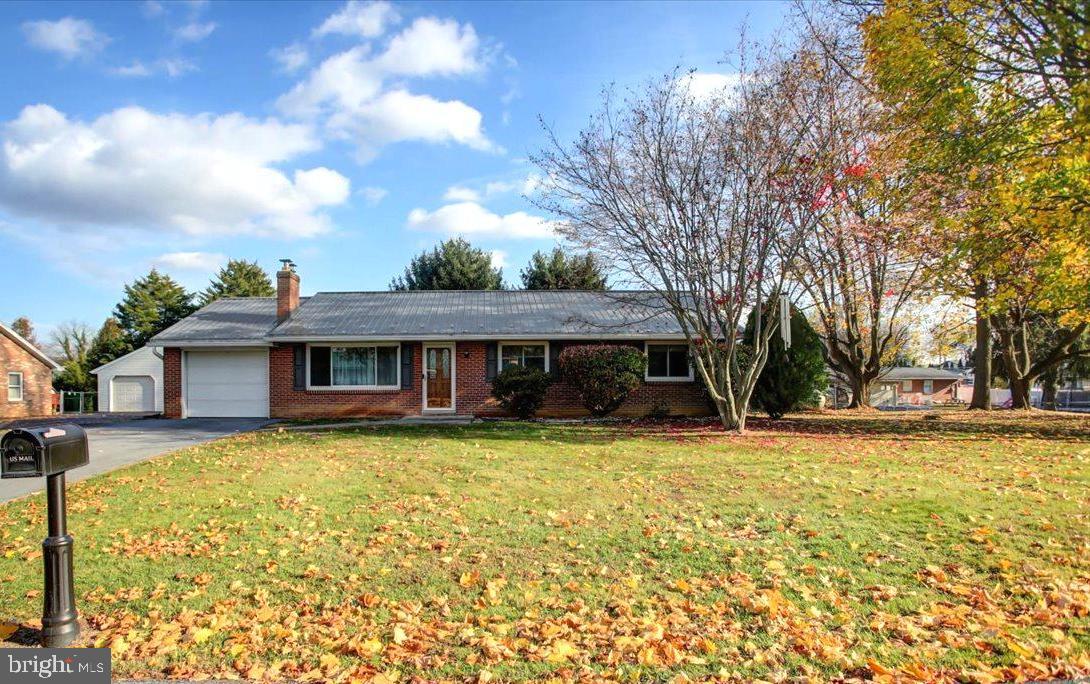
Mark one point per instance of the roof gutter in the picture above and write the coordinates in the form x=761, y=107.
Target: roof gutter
x=473, y=337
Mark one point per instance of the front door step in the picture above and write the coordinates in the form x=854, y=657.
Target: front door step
x=432, y=418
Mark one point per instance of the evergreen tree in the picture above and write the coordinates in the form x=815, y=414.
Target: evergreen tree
x=151, y=304
x=562, y=271
x=239, y=278
x=791, y=378
x=453, y=265
x=109, y=344
x=25, y=329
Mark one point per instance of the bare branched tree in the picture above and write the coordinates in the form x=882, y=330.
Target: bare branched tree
x=704, y=200
x=866, y=263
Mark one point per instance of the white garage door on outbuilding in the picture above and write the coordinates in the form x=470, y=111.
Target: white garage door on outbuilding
x=132, y=383
x=132, y=393
x=226, y=384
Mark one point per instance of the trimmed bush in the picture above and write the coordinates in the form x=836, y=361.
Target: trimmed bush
x=603, y=374
x=521, y=390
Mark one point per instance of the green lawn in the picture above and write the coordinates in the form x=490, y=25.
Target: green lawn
x=867, y=546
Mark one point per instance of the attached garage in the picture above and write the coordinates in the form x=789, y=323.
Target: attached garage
x=226, y=383
x=132, y=383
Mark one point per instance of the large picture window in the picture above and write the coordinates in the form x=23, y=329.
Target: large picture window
x=15, y=386
x=668, y=362
x=529, y=355
x=355, y=366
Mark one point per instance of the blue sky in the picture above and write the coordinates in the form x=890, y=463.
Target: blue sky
x=347, y=136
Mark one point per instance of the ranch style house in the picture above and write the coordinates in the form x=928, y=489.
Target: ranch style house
x=347, y=354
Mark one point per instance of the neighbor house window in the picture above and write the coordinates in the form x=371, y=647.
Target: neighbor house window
x=354, y=366
x=668, y=362
x=906, y=385
x=527, y=355
x=15, y=386
x=928, y=386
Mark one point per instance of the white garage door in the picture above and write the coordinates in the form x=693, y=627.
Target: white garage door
x=132, y=393
x=227, y=384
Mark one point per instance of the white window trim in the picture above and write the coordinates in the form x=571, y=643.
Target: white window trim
x=928, y=386
x=910, y=385
x=22, y=393
x=519, y=343
x=354, y=388
x=647, y=377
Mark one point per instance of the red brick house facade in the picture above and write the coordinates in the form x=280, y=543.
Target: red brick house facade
x=407, y=353
x=26, y=374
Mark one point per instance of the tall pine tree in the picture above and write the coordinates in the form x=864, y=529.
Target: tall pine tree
x=151, y=304
x=453, y=265
x=239, y=278
x=562, y=271
x=109, y=344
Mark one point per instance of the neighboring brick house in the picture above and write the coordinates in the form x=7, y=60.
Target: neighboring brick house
x=27, y=375
x=903, y=386
x=408, y=353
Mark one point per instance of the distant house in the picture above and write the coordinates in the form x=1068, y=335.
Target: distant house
x=903, y=386
x=27, y=376
x=132, y=383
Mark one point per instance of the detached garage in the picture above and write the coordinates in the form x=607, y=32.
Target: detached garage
x=132, y=383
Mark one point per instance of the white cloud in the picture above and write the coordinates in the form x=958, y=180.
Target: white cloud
x=195, y=31
x=193, y=175
x=464, y=193
x=373, y=195
x=362, y=19
x=470, y=218
x=704, y=85
x=68, y=37
x=433, y=47
x=348, y=93
x=499, y=258
x=460, y=193
x=203, y=262
x=291, y=58
x=151, y=8
x=171, y=67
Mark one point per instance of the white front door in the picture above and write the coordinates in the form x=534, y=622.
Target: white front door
x=227, y=384
x=439, y=378
x=132, y=393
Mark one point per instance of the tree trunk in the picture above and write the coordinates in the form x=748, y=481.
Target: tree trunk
x=982, y=363
x=860, y=393
x=1050, y=385
x=1019, y=393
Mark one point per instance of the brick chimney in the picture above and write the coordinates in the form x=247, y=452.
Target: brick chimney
x=287, y=290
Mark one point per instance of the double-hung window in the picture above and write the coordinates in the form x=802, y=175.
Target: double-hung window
x=533, y=355
x=355, y=366
x=928, y=386
x=906, y=385
x=668, y=362
x=15, y=386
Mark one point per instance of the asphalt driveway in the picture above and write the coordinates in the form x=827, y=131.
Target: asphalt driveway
x=118, y=444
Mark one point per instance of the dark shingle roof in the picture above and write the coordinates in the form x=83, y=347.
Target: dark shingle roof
x=228, y=320
x=474, y=313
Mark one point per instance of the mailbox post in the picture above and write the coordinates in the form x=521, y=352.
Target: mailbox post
x=51, y=451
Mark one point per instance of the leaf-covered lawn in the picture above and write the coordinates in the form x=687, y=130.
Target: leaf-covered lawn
x=876, y=547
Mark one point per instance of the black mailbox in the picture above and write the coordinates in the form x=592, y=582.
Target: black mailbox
x=42, y=451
